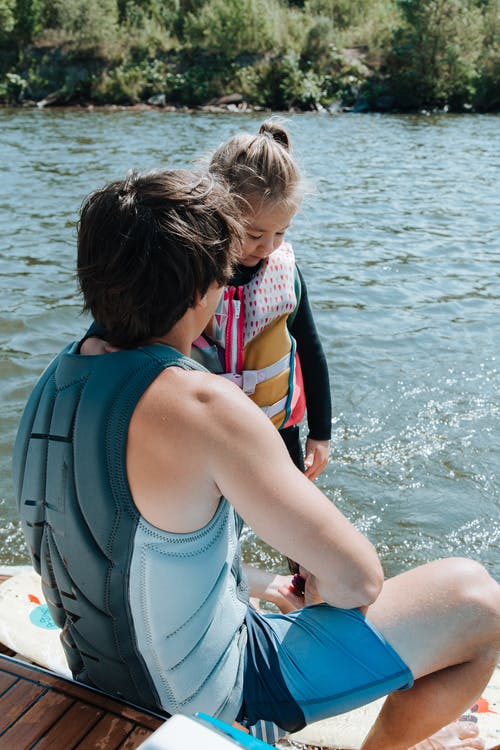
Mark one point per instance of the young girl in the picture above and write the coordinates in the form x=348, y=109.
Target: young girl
x=263, y=335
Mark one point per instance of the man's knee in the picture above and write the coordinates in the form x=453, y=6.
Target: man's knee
x=476, y=590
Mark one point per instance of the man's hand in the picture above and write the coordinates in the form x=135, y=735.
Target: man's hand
x=95, y=345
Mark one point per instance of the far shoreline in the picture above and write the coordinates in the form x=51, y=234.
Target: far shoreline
x=223, y=109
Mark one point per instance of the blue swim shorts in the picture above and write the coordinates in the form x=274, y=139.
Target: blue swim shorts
x=313, y=663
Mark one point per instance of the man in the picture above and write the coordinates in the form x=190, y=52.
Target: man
x=135, y=470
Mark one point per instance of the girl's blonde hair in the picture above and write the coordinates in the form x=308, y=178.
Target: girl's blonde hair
x=262, y=165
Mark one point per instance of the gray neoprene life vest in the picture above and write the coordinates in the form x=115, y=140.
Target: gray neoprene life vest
x=154, y=617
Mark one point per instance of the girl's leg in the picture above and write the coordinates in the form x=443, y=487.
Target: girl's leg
x=443, y=619
x=291, y=438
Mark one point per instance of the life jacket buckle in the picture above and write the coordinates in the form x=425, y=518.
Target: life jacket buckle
x=249, y=381
x=234, y=377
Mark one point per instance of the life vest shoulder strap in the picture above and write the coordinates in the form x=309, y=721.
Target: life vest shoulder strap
x=298, y=293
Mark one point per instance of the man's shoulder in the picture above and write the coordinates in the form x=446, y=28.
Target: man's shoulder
x=184, y=389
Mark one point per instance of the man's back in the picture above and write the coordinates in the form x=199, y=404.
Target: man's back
x=137, y=604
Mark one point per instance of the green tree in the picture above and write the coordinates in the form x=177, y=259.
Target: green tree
x=319, y=42
x=488, y=85
x=342, y=13
x=29, y=19
x=86, y=22
x=434, y=56
x=138, y=13
x=228, y=28
x=7, y=18
x=356, y=23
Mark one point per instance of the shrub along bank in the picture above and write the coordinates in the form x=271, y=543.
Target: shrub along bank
x=378, y=55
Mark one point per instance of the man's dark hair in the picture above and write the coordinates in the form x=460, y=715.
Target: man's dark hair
x=148, y=244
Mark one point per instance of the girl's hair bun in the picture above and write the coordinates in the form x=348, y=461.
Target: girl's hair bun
x=276, y=132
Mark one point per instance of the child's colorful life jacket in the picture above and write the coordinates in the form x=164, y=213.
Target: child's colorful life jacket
x=254, y=346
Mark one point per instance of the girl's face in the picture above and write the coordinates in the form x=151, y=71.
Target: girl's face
x=265, y=230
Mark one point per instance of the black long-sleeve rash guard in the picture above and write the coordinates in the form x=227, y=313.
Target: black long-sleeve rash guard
x=312, y=358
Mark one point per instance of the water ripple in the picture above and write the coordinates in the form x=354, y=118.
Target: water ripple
x=399, y=244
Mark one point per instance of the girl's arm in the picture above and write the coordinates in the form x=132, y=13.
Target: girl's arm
x=316, y=384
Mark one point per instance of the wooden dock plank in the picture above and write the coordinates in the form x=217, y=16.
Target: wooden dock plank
x=6, y=680
x=71, y=728
x=18, y=699
x=80, y=692
x=42, y=711
x=110, y=733
x=33, y=723
x=138, y=735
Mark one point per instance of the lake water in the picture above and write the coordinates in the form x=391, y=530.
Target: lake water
x=400, y=247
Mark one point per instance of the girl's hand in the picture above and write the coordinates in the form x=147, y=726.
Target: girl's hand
x=299, y=592
x=290, y=598
x=272, y=587
x=316, y=458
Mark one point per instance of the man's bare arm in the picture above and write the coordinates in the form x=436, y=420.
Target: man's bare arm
x=254, y=471
x=195, y=436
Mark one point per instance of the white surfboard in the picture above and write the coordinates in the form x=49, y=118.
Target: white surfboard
x=347, y=731
x=26, y=625
x=27, y=628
